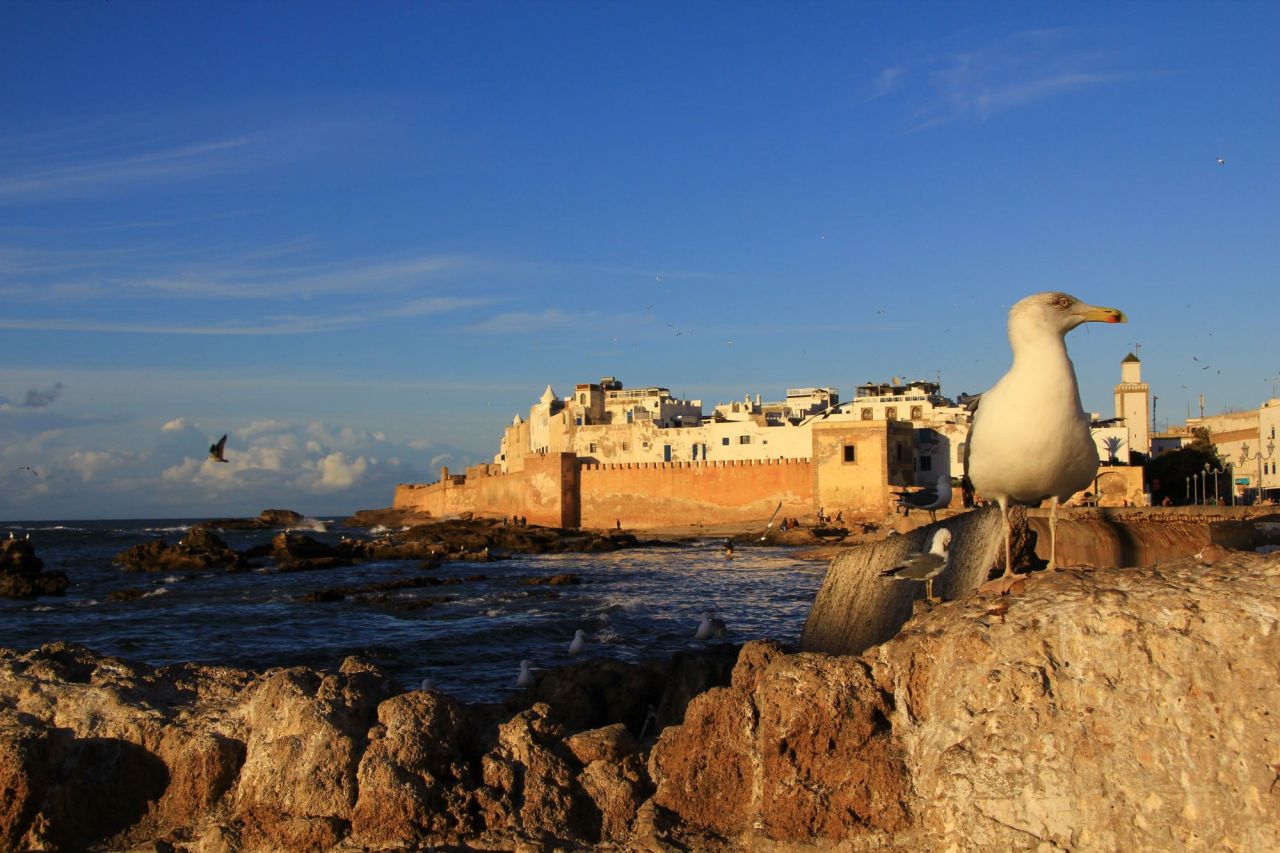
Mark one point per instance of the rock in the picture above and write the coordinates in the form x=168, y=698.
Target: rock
x=22, y=573
x=388, y=517
x=269, y=519
x=562, y=579
x=200, y=550
x=294, y=552
x=1102, y=709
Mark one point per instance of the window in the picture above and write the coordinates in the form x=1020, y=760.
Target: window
x=591, y=448
x=917, y=412
x=926, y=463
x=626, y=445
x=725, y=440
x=582, y=398
x=578, y=420
x=868, y=414
x=744, y=439
x=891, y=413
x=900, y=452
x=851, y=453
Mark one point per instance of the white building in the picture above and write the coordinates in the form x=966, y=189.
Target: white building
x=1133, y=406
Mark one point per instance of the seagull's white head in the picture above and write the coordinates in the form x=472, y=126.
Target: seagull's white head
x=941, y=541
x=1057, y=313
x=525, y=664
x=579, y=634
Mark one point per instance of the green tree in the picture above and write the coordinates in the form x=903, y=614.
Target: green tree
x=1167, y=475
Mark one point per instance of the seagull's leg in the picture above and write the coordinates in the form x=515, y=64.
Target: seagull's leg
x=928, y=589
x=1004, y=516
x=1053, y=533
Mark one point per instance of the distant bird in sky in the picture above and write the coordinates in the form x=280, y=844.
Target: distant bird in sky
x=1222, y=162
x=28, y=468
x=925, y=566
x=525, y=678
x=1030, y=438
x=579, y=644
x=930, y=499
x=216, y=451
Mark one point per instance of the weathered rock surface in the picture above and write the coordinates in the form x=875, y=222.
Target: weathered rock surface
x=22, y=573
x=200, y=550
x=270, y=519
x=1107, y=709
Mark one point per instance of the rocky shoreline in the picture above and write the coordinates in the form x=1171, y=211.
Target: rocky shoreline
x=1098, y=709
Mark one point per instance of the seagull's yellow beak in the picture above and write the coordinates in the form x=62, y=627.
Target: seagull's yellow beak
x=1098, y=314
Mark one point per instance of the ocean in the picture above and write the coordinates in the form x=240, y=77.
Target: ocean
x=468, y=636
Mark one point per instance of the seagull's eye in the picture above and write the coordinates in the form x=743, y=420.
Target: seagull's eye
x=1063, y=301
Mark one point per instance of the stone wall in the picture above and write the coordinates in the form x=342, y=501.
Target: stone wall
x=642, y=495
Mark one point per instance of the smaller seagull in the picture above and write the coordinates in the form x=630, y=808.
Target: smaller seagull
x=426, y=684
x=216, y=450
x=931, y=499
x=28, y=468
x=710, y=627
x=525, y=678
x=924, y=567
x=579, y=644
x=1221, y=162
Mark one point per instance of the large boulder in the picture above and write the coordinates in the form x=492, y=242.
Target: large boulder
x=22, y=573
x=200, y=550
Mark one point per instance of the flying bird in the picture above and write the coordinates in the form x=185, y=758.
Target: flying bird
x=28, y=468
x=931, y=498
x=924, y=566
x=216, y=450
x=1030, y=438
x=1222, y=162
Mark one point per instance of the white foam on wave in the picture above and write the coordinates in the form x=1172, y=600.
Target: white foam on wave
x=172, y=578
x=41, y=608
x=88, y=602
x=607, y=635
x=313, y=524
x=160, y=591
x=379, y=529
x=180, y=528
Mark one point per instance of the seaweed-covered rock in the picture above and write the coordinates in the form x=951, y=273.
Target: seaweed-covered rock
x=200, y=550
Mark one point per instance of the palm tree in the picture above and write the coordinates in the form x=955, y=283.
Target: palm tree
x=1113, y=444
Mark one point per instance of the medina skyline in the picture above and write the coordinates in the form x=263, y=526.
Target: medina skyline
x=360, y=240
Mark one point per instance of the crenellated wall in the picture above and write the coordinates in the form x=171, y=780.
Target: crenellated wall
x=851, y=471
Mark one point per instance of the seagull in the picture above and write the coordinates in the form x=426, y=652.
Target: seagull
x=28, y=468
x=931, y=498
x=216, y=450
x=579, y=644
x=1030, y=437
x=710, y=627
x=1221, y=162
x=525, y=678
x=924, y=567
x=426, y=684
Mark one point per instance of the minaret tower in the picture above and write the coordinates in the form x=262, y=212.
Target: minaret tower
x=1133, y=403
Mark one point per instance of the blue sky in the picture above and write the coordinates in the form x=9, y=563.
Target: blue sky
x=360, y=237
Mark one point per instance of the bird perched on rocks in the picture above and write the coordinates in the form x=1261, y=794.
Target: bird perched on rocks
x=931, y=498
x=579, y=644
x=710, y=627
x=925, y=566
x=1030, y=438
x=216, y=450
x=525, y=678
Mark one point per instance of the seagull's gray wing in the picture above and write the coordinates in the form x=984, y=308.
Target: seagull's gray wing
x=921, y=499
x=917, y=567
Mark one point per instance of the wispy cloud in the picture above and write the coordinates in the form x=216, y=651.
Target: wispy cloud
x=87, y=177
x=977, y=84
x=523, y=322
x=278, y=325
x=36, y=398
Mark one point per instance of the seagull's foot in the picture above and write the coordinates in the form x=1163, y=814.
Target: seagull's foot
x=1007, y=584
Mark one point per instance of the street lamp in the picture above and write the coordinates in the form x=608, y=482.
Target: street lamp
x=1246, y=458
x=1231, y=481
x=1188, y=497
